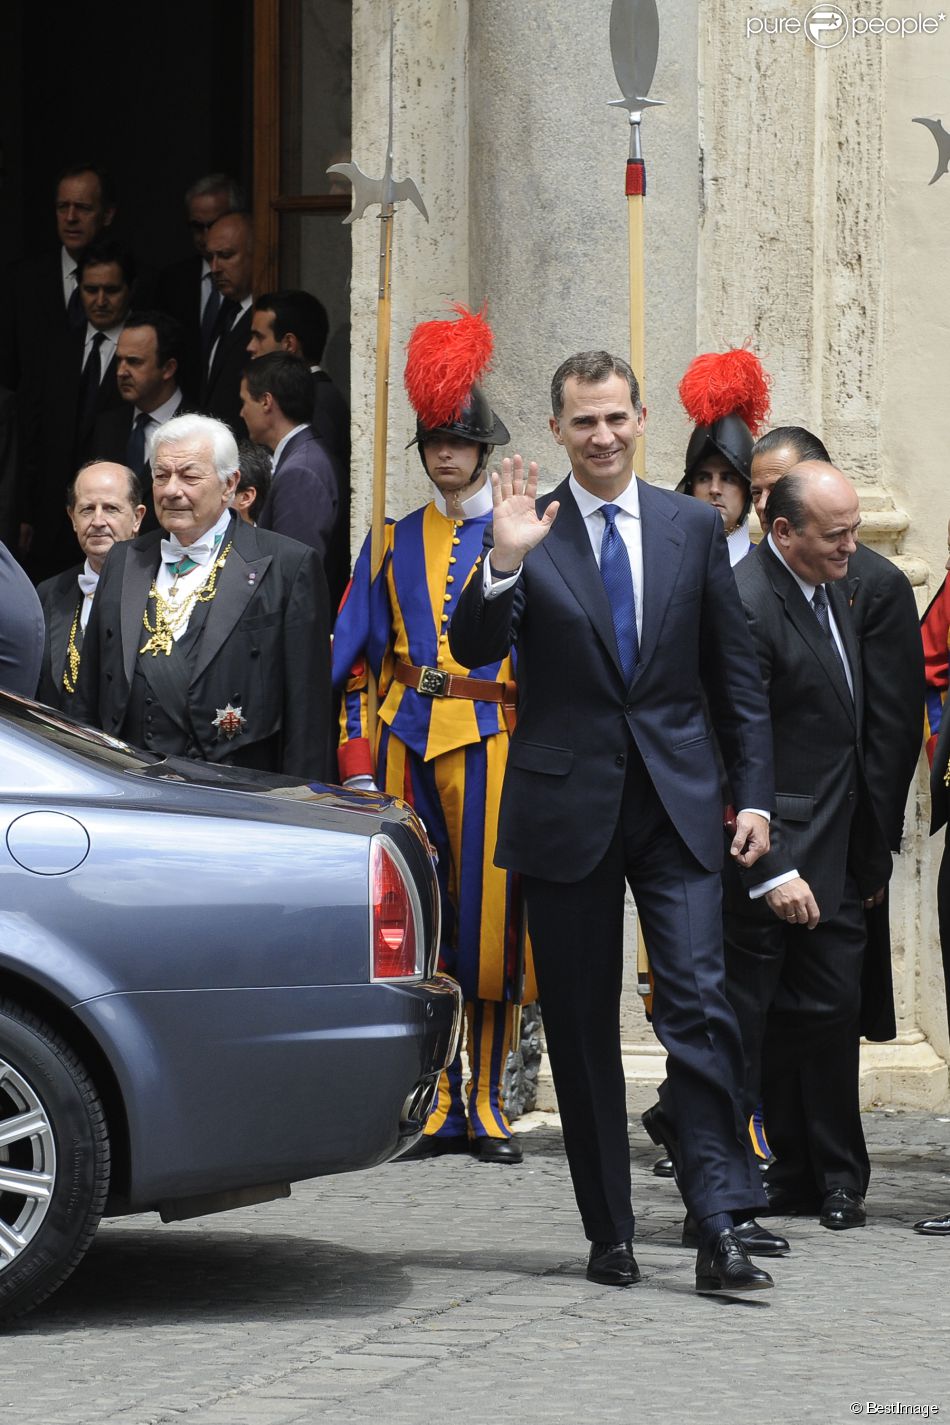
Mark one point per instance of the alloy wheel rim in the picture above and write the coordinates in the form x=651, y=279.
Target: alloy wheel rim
x=27, y=1164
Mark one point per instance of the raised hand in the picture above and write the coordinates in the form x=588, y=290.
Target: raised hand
x=517, y=526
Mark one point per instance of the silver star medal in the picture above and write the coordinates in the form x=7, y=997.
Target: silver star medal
x=229, y=722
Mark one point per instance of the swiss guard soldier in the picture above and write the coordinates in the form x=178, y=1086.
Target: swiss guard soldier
x=442, y=740
x=727, y=395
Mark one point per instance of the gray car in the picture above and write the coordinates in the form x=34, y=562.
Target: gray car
x=213, y=983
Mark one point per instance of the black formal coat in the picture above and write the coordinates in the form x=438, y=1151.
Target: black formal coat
x=221, y=390
x=885, y=617
x=567, y=760
x=21, y=629
x=60, y=598
x=264, y=648
x=178, y=292
x=826, y=823
x=33, y=310
x=54, y=447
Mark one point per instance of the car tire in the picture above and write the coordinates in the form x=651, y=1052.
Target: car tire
x=54, y=1160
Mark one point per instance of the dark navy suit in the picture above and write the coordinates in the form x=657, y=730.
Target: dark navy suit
x=609, y=784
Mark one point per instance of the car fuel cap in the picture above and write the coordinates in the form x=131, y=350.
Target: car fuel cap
x=47, y=842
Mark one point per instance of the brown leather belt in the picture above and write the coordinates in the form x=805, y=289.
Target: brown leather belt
x=438, y=683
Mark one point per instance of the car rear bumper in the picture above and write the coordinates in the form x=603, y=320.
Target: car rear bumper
x=230, y=1088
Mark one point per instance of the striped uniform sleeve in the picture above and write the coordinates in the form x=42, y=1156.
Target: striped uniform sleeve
x=353, y=644
x=935, y=633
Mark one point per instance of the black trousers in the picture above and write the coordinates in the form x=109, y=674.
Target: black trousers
x=577, y=936
x=797, y=995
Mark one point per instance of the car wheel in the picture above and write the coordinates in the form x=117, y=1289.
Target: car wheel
x=54, y=1160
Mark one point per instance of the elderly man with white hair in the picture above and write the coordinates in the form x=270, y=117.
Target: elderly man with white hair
x=210, y=638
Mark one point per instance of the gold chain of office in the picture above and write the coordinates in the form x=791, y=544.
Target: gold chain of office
x=171, y=618
x=73, y=655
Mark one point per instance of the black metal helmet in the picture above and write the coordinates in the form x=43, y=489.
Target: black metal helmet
x=476, y=422
x=729, y=437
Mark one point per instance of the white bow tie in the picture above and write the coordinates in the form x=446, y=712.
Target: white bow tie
x=88, y=582
x=201, y=552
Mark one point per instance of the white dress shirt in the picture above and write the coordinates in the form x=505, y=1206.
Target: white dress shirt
x=738, y=543
x=478, y=504
x=88, y=581
x=207, y=282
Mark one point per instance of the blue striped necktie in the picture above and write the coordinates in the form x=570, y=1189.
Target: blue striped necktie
x=618, y=581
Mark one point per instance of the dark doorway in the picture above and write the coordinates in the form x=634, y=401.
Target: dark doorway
x=157, y=94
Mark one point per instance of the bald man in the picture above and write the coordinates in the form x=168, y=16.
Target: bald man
x=230, y=247
x=794, y=923
x=104, y=505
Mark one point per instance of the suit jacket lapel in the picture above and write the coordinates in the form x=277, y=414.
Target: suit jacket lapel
x=803, y=617
x=663, y=543
x=140, y=568
x=841, y=609
x=238, y=582
x=569, y=547
x=61, y=615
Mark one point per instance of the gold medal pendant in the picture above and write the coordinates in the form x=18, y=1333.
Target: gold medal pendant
x=172, y=618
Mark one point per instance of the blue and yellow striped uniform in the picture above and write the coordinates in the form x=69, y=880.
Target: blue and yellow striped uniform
x=446, y=757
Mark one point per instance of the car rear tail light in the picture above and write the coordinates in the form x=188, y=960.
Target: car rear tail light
x=395, y=922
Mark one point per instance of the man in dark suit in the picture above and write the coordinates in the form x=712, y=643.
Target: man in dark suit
x=104, y=505
x=794, y=926
x=612, y=779
x=302, y=500
x=21, y=629
x=230, y=244
x=884, y=613
x=186, y=289
x=42, y=292
x=77, y=385
x=147, y=356
x=211, y=643
x=296, y=322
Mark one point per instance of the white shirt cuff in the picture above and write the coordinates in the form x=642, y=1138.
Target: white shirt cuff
x=757, y=892
x=492, y=586
x=757, y=811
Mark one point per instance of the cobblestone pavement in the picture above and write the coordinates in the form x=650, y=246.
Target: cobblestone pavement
x=453, y=1289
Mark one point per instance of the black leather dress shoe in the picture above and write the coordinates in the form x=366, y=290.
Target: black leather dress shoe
x=934, y=1226
x=843, y=1207
x=612, y=1264
x=757, y=1240
x=663, y=1168
x=661, y=1130
x=784, y=1203
x=432, y=1146
x=724, y=1265
x=496, y=1150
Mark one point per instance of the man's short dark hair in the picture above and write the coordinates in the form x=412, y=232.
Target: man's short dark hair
x=592, y=367
x=168, y=333
x=135, y=484
x=106, y=250
x=107, y=186
x=787, y=501
x=302, y=314
x=254, y=464
x=287, y=378
x=213, y=183
x=805, y=445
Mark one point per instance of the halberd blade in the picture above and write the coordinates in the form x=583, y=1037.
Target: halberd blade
x=634, y=46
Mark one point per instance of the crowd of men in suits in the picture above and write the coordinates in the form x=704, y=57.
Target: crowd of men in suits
x=778, y=679
x=95, y=356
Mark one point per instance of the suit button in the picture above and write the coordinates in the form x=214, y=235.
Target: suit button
x=628, y=707
x=620, y=760
x=148, y=702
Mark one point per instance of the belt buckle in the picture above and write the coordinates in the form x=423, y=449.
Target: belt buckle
x=433, y=682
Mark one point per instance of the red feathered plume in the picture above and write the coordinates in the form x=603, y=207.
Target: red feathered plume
x=719, y=384
x=444, y=359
